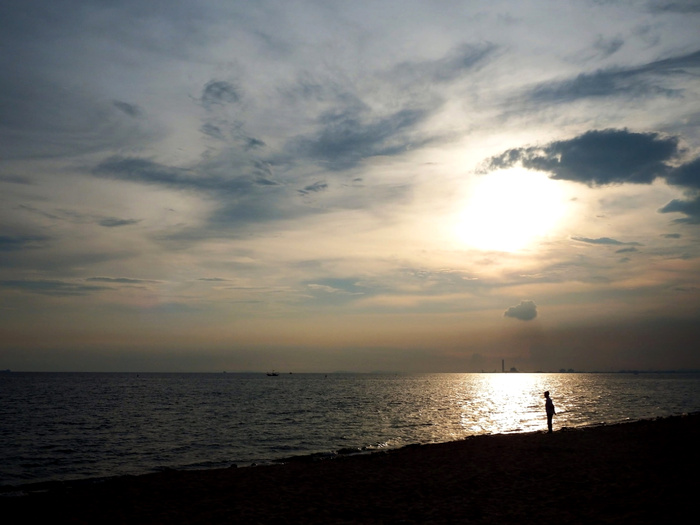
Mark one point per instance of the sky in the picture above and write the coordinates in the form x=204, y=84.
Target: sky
x=315, y=186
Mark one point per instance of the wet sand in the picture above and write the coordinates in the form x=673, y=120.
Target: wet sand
x=640, y=472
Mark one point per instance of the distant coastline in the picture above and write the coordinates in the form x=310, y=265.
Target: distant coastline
x=347, y=372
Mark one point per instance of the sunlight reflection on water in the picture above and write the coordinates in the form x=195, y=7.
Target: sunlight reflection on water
x=61, y=426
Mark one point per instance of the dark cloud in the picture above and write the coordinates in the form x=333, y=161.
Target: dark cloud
x=351, y=131
x=249, y=197
x=21, y=242
x=316, y=187
x=675, y=6
x=51, y=287
x=113, y=222
x=525, y=311
x=613, y=156
x=605, y=241
x=671, y=235
x=219, y=93
x=608, y=47
x=244, y=189
x=16, y=179
x=597, y=158
x=148, y=172
x=350, y=135
x=129, y=109
x=212, y=131
x=263, y=173
x=119, y=280
x=77, y=217
x=690, y=208
x=645, y=80
x=686, y=175
x=253, y=143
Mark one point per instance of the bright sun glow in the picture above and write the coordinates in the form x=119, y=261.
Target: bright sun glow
x=507, y=210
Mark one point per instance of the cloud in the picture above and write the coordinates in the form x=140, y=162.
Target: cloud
x=339, y=286
x=613, y=156
x=41, y=118
x=525, y=311
x=242, y=187
x=219, y=93
x=597, y=158
x=120, y=280
x=212, y=130
x=129, y=109
x=253, y=143
x=78, y=217
x=686, y=175
x=454, y=64
x=146, y=171
x=608, y=47
x=113, y=222
x=316, y=187
x=640, y=81
x=51, y=287
x=675, y=6
x=21, y=242
x=351, y=135
x=16, y=179
x=605, y=241
x=690, y=208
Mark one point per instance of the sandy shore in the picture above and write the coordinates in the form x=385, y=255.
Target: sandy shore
x=641, y=472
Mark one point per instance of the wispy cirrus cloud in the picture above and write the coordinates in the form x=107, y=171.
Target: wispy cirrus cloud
x=120, y=280
x=641, y=81
x=51, y=287
x=456, y=63
x=22, y=242
x=348, y=136
x=606, y=241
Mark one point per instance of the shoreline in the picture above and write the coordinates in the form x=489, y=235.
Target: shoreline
x=631, y=472
x=67, y=484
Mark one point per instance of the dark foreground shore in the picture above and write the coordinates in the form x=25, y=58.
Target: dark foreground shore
x=641, y=472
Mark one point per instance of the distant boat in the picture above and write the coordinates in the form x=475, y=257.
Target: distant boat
x=272, y=374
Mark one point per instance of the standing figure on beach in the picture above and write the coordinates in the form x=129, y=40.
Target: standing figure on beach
x=549, y=407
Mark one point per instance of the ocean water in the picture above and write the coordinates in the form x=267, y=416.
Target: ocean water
x=67, y=426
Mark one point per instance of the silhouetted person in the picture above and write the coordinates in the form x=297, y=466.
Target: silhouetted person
x=549, y=407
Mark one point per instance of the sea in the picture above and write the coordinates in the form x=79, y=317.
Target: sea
x=81, y=426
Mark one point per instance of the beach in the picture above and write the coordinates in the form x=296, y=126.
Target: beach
x=636, y=472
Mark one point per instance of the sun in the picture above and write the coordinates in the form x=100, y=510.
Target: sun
x=508, y=210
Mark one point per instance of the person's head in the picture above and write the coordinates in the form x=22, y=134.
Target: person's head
x=546, y=394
